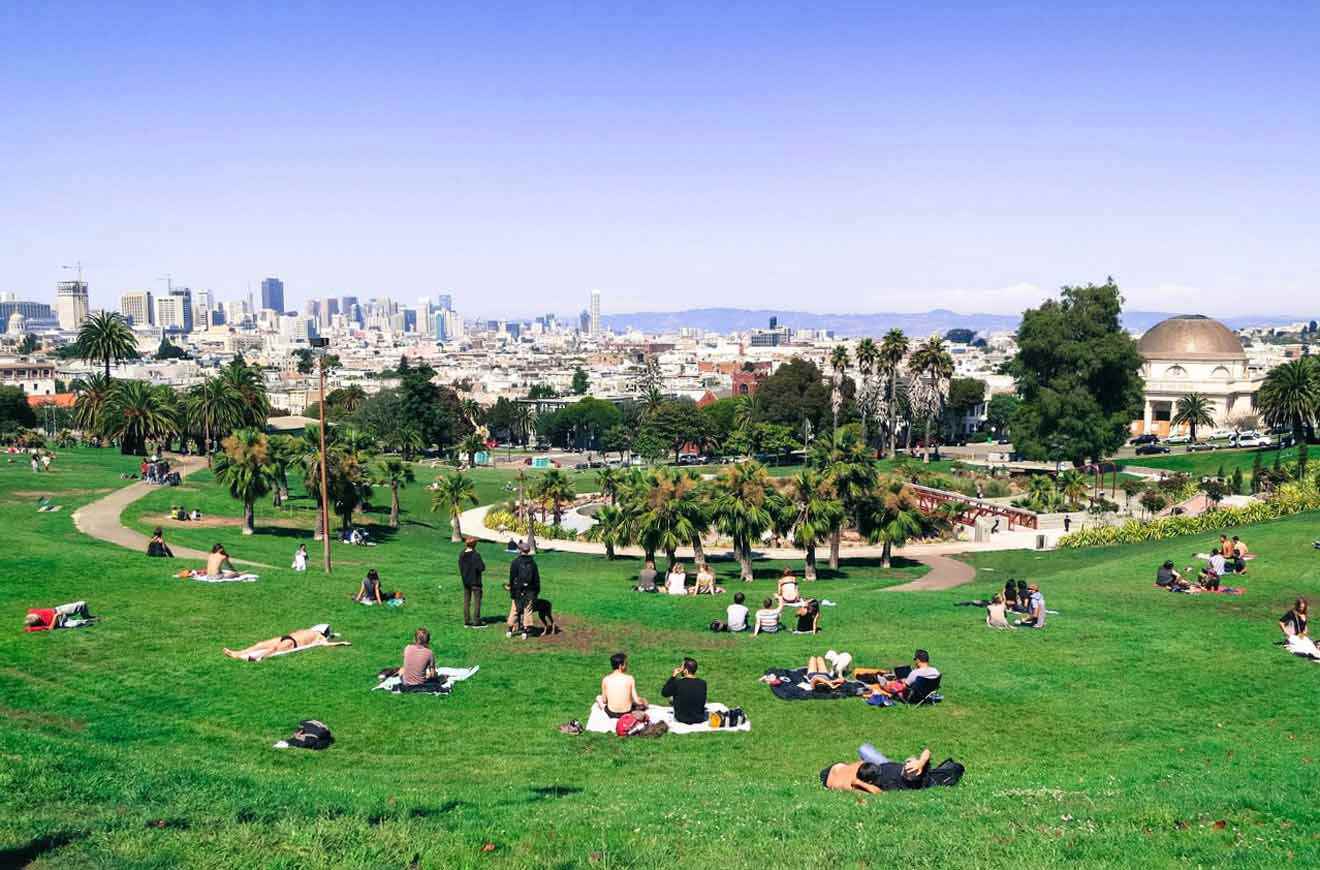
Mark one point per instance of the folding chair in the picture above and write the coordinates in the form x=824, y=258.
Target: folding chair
x=924, y=690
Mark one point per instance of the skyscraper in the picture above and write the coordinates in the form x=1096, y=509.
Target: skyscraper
x=595, y=312
x=138, y=307
x=174, y=312
x=71, y=303
x=272, y=294
x=445, y=301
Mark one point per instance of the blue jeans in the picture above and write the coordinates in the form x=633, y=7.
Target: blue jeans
x=868, y=753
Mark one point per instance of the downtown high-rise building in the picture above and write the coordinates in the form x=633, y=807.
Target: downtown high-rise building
x=272, y=294
x=595, y=312
x=329, y=308
x=201, y=308
x=138, y=307
x=71, y=306
x=174, y=312
x=445, y=301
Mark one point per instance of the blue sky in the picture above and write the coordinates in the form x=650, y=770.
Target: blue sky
x=856, y=157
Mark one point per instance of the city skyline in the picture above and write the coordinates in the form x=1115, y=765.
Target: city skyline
x=965, y=158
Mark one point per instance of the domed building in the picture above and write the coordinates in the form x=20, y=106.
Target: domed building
x=17, y=324
x=1192, y=353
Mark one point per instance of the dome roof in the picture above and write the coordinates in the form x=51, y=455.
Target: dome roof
x=1190, y=336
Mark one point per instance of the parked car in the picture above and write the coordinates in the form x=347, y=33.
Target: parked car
x=1199, y=446
x=1148, y=438
x=1151, y=449
x=1255, y=441
x=1178, y=439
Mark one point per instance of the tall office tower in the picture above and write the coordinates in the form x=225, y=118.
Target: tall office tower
x=312, y=308
x=201, y=308
x=174, y=312
x=329, y=308
x=272, y=294
x=138, y=307
x=409, y=319
x=71, y=303
x=584, y=322
x=445, y=301
x=595, y=312
x=346, y=303
x=217, y=315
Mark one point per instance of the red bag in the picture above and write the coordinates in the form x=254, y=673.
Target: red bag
x=629, y=724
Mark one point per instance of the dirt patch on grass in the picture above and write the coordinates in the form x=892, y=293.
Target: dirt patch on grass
x=220, y=522
x=594, y=638
x=30, y=717
x=64, y=493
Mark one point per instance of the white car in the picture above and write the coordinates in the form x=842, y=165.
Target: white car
x=1178, y=439
x=1254, y=441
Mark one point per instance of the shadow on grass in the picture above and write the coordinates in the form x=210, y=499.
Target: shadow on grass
x=546, y=792
x=36, y=848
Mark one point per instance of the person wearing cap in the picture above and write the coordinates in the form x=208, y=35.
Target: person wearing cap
x=470, y=568
x=921, y=667
x=1035, y=608
x=524, y=588
x=303, y=637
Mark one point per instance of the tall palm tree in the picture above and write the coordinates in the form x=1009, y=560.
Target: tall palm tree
x=349, y=482
x=890, y=516
x=215, y=408
x=893, y=348
x=741, y=507
x=556, y=488
x=609, y=528
x=608, y=481
x=105, y=337
x=1192, y=410
x=1290, y=396
x=136, y=413
x=933, y=367
x=285, y=452
x=396, y=474
x=89, y=409
x=524, y=422
x=868, y=356
x=848, y=467
x=838, y=365
x=746, y=412
x=245, y=469
x=452, y=492
x=673, y=514
x=248, y=382
x=816, y=512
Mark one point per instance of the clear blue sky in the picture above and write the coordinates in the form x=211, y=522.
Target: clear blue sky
x=867, y=157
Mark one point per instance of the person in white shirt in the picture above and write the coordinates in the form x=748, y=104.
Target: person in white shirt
x=921, y=667
x=737, y=613
x=1035, y=608
x=676, y=581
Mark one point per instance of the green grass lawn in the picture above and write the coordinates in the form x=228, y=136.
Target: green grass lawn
x=1123, y=734
x=1209, y=462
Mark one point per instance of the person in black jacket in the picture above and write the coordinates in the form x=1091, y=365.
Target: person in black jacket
x=524, y=587
x=470, y=568
x=688, y=693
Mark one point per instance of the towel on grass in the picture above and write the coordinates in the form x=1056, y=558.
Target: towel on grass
x=241, y=578
x=793, y=686
x=394, y=683
x=600, y=722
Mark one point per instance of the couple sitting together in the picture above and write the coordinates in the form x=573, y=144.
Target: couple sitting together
x=618, y=692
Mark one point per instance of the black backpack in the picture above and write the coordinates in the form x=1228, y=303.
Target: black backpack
x=312, y=734
x=948, y=772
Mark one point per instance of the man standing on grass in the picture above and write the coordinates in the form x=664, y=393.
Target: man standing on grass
x=524, y=587
x=470, y=568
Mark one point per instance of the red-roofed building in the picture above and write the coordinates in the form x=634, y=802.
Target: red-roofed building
x=59, y=400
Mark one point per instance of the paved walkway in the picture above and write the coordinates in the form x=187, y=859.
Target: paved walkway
x=100, y=519
x=945, y=573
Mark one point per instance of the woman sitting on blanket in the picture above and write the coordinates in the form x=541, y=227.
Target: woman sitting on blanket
x=317, y=635
x=789, y=594
x=418, y=671
x=370, y=592
x=1295, y=625
x=218, y=564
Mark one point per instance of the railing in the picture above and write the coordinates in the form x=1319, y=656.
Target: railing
x=928, y=499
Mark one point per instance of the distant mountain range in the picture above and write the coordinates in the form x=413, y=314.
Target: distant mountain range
x=844, y=325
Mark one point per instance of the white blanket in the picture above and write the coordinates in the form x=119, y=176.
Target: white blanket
x=241, y=578
x=600, y=722
x=455, y=675
x=1303, y=646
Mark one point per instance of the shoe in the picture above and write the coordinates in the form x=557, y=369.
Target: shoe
x=524, y=635
x=508, y=633
x=478, y=625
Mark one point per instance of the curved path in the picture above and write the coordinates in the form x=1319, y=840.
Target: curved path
x=944, y=573
x=100, y=519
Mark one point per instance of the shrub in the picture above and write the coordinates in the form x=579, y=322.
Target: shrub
x=504, y=521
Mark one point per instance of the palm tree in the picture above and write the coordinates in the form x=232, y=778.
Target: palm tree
x=1073, y=486
x=244, y=467
x=285, y=451
x=105, y=337
x=838, y=364
x=673, y=514
x=932, y=363
x=349, y=399
x=452, y=491
x=89, y=409
x=893, y=348
x=741, y=508
x=1041, y=493
x=556, y=488
x=349, y=482
x=247, y=381
x=136, y=413
x=470, y=446
x=890, y=515
x=215, y=408
x=816, y=511
x=607, y=483
x=746, y=412
x=1192, y=410
x=609, y=528
x=396, y=474
x=524, y=422
x=1290, y=396
x=849, y=469
x=868, y=355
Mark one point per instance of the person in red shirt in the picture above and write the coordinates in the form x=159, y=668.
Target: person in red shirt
x=69, y=615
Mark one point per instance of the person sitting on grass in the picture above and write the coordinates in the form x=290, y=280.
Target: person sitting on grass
x=688, y=693
x=1010, y=594
x=1295, y=625
x=904, y=678
x=418, y=671
x=767, y=618
x=1225, y=548
x=317, y=635
x=995, y=613
x=156, y=548
x=618, y=690
x=1209, y=576
x=1239, y=558
x=737, y=613
x=705, y=580
x=676, y=581
x=370, y=592
x=788, y=591
x=1035, y=608
x=72, y=615
x=646, y=577
x=218, y=564
x=808, y=617
x=1167, y=577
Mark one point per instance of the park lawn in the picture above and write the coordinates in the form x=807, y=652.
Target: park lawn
x=1207, y=464
x=1124, y=733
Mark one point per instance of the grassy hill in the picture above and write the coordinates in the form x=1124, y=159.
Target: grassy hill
x=1124, y=733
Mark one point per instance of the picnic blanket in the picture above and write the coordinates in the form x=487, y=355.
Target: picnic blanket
x=1303, y=646
x=600, y=722
x=793, y=686
x=241, y=578
x=394, y=684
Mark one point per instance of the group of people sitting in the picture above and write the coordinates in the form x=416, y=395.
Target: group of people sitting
x=1229, y=557
x=618, y=691
x=739, y=618
x=357, y=537
x=1018, y=597
x=675, y=581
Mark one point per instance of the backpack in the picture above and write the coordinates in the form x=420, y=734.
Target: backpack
x=629, y=724
x=312, y=734
x=717, y=625
x=948, y=772
x=727, y=718
x=654, y=729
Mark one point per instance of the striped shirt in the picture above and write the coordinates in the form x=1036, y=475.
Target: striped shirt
x=768, y=620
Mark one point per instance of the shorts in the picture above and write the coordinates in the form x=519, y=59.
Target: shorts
x=814, y=675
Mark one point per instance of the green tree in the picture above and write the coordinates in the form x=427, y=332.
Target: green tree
x=28, y=345
x=838, y=366
x=889, y=516
x=677, y=423
x=816, y=513
x=609, y=528
x=396, y=474
x=608, y=481
x=672, y=514
x=555, y=488
x=136, y=412
x=868, y=358
x=89, y=408
x=15, y=412
x=999, y=412
x=741, y=505
x=1078, y=373
x=541, y=391
x=214, y=409
x=1153, y=501
x=581, y=382
x=453, y=492
x=1192, y=410
x=1290, y=396
x=893, y=348
x=1255, y=472
x=847, y=465
x=1236, y=483
x=105, y=337
x=797, y=395
x=1131, y=486
x=245, y=469
x=1073, y=486
x=284, y=452
x=250, y=386
x=964, y=395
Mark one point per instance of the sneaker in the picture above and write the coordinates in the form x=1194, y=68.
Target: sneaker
x=508, y=633
x=524, y=635
x=478, y=625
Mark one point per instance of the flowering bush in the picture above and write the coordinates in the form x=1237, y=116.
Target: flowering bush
x=500, y=520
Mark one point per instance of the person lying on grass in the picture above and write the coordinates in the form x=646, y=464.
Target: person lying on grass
x=898, y=686
x=618, y=689
x=303, y=638
x=877, y=774
x=70, y=615
x=218, y=564
x=767, y=618
x=688, y=693
x=819, y=675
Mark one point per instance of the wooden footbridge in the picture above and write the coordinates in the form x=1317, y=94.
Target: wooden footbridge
x=928, y=499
